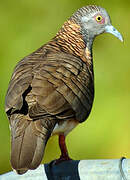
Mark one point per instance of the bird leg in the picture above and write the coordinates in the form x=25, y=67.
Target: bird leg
x=64, y=152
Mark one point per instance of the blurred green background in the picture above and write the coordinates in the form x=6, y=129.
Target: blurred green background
x=25, y=25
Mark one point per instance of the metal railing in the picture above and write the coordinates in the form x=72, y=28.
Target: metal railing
x=104, y=169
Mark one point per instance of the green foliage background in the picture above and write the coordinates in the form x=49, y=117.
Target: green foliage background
x=24, y=26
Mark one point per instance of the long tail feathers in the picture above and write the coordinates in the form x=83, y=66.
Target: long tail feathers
x=28, y=141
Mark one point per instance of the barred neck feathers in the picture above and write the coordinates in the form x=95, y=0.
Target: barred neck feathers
x=70, y=39
x=74, y=36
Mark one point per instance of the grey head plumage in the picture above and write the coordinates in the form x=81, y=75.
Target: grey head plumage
x=94, y=20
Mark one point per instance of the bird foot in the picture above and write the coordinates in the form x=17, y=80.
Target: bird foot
x=61, y=159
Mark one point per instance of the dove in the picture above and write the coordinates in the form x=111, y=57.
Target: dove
x=51, y=90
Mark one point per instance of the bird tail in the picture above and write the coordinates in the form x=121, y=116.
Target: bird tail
x=28, y=140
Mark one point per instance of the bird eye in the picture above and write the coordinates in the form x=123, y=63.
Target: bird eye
x=99, y=18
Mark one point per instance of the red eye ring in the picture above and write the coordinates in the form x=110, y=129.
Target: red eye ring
x=99, y=19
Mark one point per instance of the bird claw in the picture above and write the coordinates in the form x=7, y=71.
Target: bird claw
x=60, y=160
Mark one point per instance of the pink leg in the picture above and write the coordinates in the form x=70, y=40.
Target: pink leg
x=64, y=152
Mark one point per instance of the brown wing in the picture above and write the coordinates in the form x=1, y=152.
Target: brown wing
x=64, y=83
x=42, y=91
x=21, y=80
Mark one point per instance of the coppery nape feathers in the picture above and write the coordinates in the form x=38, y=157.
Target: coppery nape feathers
x=52, y=89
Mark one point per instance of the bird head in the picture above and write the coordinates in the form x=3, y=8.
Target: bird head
x=93, y=21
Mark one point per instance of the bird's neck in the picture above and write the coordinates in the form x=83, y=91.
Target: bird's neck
x=70, y=40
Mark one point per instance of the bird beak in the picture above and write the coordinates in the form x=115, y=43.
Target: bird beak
x=112, y=30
